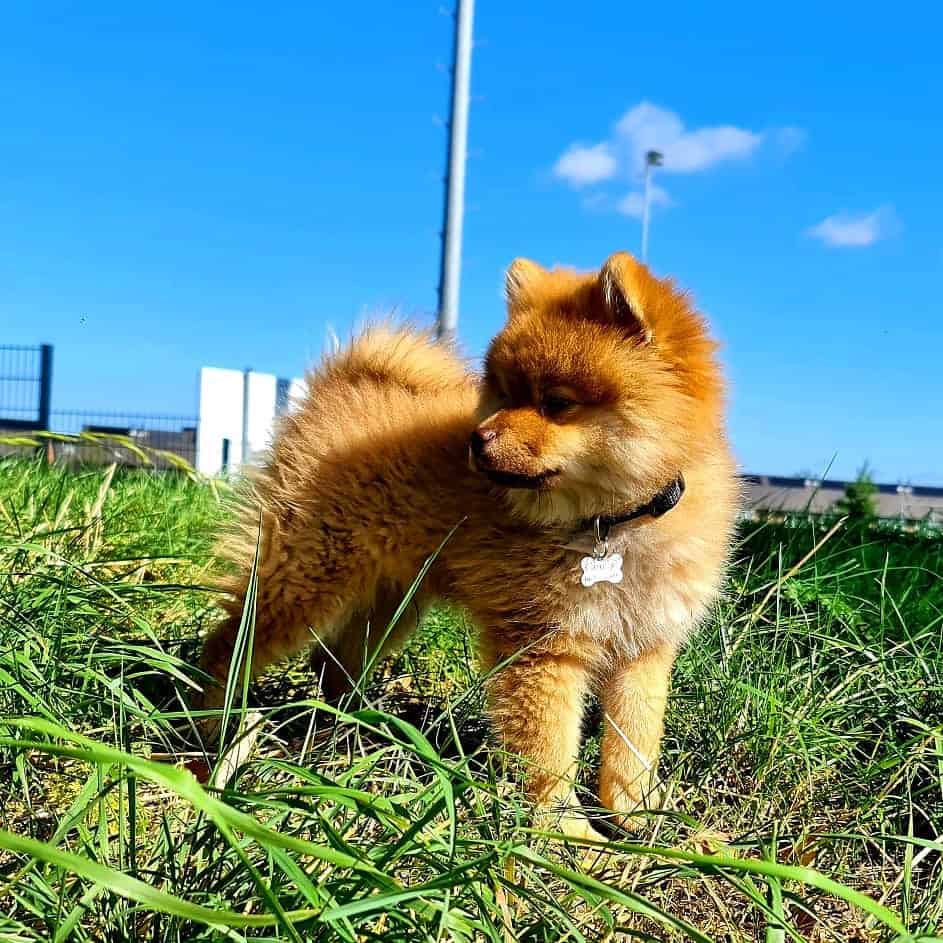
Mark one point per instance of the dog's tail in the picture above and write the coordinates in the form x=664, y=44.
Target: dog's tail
x=394, y=356
x=355, y=398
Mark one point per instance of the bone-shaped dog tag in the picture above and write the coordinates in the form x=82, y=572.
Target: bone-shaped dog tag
x=607, y=569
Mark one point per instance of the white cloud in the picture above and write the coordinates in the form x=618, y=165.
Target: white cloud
x=580, y=165
x=633, y=203
x=648, y=127
x=847, y=230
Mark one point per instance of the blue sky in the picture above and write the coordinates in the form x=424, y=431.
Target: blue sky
x=186, y=185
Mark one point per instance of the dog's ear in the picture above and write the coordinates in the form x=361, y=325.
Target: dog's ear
x=522, y=275
x=620, y=285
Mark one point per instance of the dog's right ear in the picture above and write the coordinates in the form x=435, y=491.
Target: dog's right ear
x=621, y=280
x=522, y=275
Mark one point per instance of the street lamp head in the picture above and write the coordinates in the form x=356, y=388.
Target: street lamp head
x=654, y=158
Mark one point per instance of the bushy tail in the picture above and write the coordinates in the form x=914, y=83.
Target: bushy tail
x=400, y=356
x=347, y=397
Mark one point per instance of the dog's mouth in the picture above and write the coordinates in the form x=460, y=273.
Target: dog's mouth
x=513, y=480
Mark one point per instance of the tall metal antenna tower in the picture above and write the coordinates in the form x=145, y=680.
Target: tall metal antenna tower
x=450, y=271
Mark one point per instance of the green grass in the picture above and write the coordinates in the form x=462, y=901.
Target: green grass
x=803, y=761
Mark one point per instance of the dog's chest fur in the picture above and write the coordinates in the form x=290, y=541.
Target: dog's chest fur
x=665, y=590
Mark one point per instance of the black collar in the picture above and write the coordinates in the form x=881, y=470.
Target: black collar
x=661, y=504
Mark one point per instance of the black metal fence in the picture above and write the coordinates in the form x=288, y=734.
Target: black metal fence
x=126, y=438
x=25, y=386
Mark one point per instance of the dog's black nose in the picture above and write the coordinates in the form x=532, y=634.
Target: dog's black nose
x=480, y=439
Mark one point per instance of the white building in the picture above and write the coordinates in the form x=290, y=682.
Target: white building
x=237, y=411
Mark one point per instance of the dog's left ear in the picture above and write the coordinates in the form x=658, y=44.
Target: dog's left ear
x=522, y=275
x=620, y=284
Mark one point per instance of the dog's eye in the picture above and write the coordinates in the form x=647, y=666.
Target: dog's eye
x=554, y=404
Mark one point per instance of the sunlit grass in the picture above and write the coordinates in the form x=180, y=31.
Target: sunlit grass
x=802, y=766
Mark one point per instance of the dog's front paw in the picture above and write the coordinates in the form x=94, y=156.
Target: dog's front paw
x=628, y=811
x=569, y=821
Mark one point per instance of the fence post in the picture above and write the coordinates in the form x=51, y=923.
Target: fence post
x=45, y=385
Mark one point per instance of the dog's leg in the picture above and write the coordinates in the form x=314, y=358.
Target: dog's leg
x=633, y=701
x=341, y=664
x=537, y=707
x=294, y=607
x=279, y=632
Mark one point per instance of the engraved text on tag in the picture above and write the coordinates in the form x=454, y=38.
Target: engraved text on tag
x=608, y=569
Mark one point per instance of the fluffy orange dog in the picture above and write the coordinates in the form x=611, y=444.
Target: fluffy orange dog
x=592, y=485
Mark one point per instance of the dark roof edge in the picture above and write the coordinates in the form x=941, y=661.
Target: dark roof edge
x=834, y=484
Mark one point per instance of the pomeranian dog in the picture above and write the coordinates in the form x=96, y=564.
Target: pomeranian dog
x=588, y=487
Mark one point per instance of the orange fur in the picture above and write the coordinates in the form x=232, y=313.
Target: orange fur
x=598, y=391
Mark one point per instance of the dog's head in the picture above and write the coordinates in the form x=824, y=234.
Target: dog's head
x=597, y=392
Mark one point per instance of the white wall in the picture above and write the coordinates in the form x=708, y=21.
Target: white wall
x=296, y=392
x=222, y=393
x=220, y=418
x=261, y=411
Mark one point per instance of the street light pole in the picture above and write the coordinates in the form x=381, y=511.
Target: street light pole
x=451, y=264
x=652, y=159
